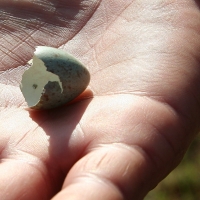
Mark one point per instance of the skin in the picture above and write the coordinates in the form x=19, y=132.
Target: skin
x=136, y=119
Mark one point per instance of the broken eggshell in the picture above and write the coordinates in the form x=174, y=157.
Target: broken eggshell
x=53, y=79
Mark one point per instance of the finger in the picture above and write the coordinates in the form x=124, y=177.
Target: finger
x=111, y=172
x=22, y=180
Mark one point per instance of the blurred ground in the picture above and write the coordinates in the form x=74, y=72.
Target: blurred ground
x=184, y=182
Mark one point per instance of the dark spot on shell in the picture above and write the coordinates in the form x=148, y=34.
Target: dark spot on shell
x=52, y=71
x=35, y=86
x=46, y=97
x=78, y=74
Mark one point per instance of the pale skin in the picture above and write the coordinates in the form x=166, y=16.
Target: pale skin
x=136, y=119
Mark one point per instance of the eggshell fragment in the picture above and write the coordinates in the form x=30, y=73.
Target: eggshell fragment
x=53, y=79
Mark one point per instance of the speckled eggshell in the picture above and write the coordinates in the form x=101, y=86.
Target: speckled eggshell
x=72, y=74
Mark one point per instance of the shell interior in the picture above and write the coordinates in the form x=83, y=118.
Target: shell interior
x=35, y=79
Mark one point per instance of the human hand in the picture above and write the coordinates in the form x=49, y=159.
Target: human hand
x=121, y=141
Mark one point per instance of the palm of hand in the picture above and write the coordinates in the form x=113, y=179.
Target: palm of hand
x=120, y=126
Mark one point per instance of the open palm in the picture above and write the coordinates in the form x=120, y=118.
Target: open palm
x=136, y=119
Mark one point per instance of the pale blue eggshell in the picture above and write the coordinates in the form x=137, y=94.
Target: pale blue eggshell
x=72, y=74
